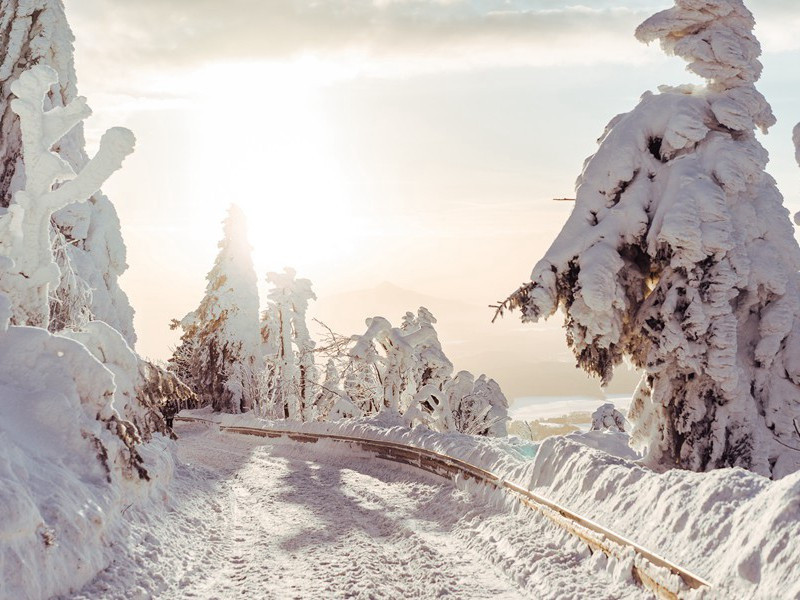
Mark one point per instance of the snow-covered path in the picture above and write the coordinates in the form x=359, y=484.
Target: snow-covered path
x=251, y=519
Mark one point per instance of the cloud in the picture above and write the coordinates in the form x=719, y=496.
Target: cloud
x=515, y=31
x=380, y=36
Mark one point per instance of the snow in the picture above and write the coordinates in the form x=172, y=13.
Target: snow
x=249, y=518
x=38, y=34
x=25, y=227
x=693, y=519
x=68, y=465
x=70, y=460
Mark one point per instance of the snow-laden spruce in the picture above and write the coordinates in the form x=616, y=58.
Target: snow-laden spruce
x=86, y=235
x=289, y=390
x=607, y=417
x=404, y=370
x=680, y=256
x=219, y=356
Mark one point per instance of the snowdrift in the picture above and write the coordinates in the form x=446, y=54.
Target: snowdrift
x=70, y=465
x=732, y=527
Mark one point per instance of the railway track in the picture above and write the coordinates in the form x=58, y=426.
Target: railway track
x=665, y=579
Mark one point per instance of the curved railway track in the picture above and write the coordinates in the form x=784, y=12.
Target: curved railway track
x=662, y=577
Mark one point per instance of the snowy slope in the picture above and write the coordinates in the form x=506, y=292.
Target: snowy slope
x=68, y=467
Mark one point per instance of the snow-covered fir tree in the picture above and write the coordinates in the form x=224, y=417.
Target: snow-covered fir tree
x=404, y=369
x=680, y=256
x=219, y=354
x=291, y=390
x=91, y=253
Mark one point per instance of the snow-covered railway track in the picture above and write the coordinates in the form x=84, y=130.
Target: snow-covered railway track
x=659, y=575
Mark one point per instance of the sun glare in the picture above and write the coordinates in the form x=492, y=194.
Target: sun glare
x=266, y=145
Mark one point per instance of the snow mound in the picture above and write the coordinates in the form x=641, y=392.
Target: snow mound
x=69, y=464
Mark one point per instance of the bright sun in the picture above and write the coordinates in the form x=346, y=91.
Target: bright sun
x=271, y=152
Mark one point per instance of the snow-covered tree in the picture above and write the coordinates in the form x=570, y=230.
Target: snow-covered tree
x=288, y=347
x=413, y=377
x=430, y=363
x=385, y=349
x=220, y=350
x=30, y=271
x=680, y=256
x=332, y=402
x=362, y=384
x=36, y=33
x=608, y=417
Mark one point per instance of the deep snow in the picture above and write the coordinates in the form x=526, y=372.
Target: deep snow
x=251, y=518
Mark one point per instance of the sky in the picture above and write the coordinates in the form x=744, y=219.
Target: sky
x=379, y=147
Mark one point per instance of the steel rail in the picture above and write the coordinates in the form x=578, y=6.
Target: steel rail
x=599, y=539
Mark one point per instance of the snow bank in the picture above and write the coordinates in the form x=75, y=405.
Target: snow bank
x=485, y=452
x=731, y=526
x=69, y=465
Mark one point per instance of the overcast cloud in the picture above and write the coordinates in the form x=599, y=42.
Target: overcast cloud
x=380, y=36
x=190, y=31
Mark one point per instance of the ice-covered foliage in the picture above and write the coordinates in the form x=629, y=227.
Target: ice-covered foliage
x=219, y=356
x=680, y=256
x=144, y=392
x=289, y=350
x=30, y=272
x=608, y=417
x=414, y=379
x=93, y=255
x=332, y=402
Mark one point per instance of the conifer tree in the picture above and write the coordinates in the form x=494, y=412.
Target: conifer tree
x=680, y=256
x=288, y=346
x=404, y=369
x=89, y=248
x=220, y=350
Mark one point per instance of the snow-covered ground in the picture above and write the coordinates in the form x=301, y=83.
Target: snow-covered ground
x=251, y=518
x=701, y=521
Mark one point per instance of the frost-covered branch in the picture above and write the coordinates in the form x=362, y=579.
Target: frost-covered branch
x=25, y=227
